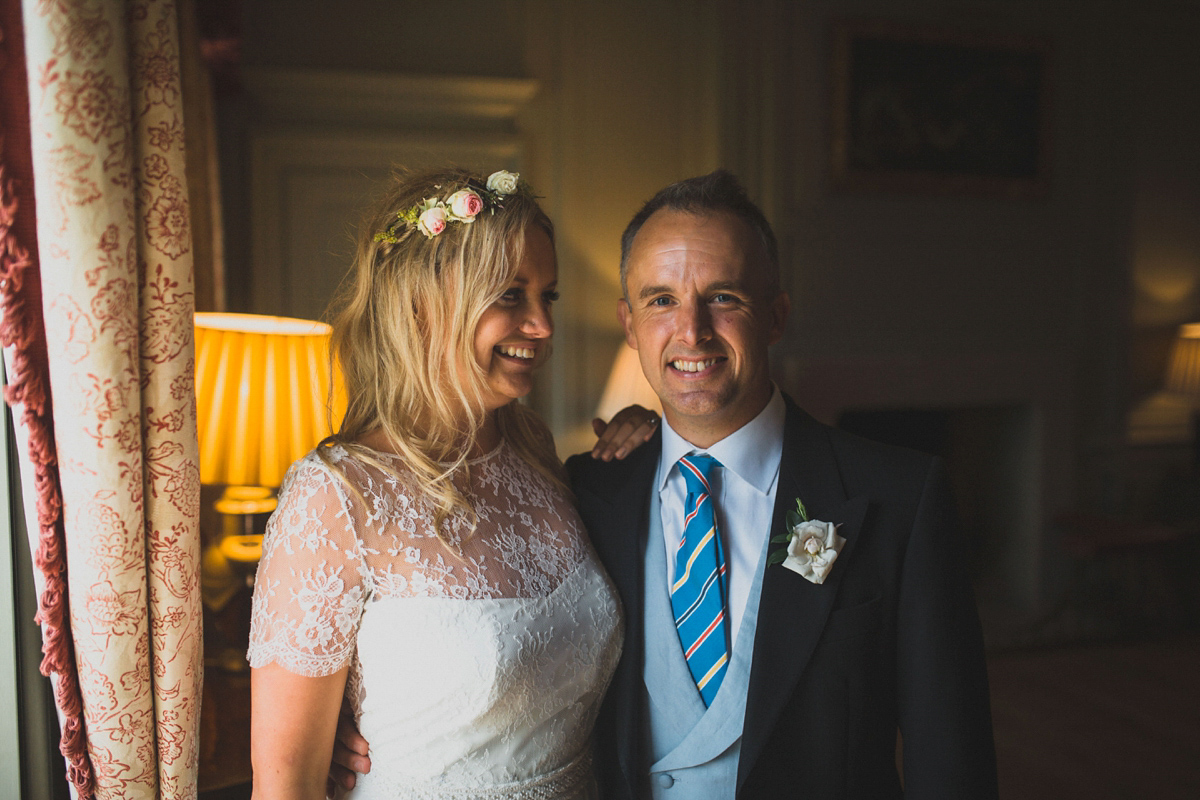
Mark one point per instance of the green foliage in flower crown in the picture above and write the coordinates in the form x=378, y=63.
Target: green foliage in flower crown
x=406, y=218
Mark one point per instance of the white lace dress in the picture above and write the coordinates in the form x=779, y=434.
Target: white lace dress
x=472, y=677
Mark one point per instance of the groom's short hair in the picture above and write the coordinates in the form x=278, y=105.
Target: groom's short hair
x=716, y=192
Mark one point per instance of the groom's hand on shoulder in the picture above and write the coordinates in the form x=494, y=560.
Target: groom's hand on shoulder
x=351, y=753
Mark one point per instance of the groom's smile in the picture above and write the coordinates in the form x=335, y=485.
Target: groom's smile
x=700, y=311
x=698, y=367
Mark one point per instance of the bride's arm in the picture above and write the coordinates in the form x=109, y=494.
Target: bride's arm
x=628, y=430
x=308, y=598
x=292, y=725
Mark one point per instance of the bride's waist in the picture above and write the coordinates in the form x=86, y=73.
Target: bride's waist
x=508, y=734
x=477, y=780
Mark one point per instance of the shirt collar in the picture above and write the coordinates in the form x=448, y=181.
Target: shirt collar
x=752, y=451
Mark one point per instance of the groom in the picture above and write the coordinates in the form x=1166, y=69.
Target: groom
x=814, y=678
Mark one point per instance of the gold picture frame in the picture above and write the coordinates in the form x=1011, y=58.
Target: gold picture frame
x=919, y=109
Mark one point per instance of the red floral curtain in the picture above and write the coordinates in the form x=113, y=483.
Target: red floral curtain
x=114, y=249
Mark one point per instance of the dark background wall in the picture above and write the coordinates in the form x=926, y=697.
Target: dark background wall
x=1039, y=321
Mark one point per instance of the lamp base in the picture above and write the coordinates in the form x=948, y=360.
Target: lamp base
x=227, y=575
x=246, y=500
x=243, y=548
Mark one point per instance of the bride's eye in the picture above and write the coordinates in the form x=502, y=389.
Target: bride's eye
x=511, y=297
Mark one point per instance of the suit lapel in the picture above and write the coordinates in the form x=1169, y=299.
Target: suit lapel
x=624, y=492
x=792, y=611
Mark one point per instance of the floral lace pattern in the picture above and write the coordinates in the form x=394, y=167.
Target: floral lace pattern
x=475, y=670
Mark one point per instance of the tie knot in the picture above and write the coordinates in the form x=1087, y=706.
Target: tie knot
x=696, y=469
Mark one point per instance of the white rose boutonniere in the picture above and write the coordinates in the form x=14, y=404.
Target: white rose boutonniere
x=812, y=545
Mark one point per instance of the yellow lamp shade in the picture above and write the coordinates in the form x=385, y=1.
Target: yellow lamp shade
x=262, y=395
x=626, y=386
x=1183, y=375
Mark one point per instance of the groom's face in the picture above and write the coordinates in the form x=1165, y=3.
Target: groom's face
x=701, y=313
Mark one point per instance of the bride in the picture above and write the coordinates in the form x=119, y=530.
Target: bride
x=426, y=561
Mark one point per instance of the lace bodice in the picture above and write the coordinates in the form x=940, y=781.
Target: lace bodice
x=473, y=672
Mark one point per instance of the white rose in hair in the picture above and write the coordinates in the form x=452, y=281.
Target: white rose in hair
x=813, y=549
x=503, y=182
x=432, y=221
x=464, y=205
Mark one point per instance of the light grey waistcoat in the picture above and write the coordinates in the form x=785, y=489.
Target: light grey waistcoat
x=693, y=750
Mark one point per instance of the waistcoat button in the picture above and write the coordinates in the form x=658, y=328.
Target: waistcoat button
x=666, y=781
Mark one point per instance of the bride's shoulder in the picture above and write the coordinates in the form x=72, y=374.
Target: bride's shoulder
x=355, y=464
x=334, y=476
x=319, y=467
x=311, y=483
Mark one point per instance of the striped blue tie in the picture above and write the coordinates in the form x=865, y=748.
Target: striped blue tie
x=698, y=593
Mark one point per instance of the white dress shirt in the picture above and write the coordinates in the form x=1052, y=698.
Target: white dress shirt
x=743, y=491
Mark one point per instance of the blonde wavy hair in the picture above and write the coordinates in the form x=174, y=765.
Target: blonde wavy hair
x=404, y=328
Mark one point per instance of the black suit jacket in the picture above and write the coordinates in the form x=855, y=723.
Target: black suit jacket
x=890, y=640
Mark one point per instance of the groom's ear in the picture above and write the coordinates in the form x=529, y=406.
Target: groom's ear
x=625, y=314
x=781, y=307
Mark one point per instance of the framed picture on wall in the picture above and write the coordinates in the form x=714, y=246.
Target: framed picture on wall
x=923, y=109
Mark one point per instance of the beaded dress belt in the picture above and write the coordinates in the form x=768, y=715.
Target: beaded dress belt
x=565, y=782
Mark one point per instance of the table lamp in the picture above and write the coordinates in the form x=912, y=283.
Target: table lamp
x=1183, y=376
x=262, y=402
x=626, y=385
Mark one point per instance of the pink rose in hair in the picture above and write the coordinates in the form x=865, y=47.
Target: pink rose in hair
x=432, y=221
x=464, y=205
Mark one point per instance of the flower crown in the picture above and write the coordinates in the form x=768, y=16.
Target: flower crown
x=432, y=215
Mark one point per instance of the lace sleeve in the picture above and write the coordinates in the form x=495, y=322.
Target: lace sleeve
x=312, y=581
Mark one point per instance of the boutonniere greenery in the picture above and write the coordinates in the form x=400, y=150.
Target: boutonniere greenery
x=812, y=545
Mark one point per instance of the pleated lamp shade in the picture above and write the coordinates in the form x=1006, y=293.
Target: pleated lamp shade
x=1183, y=375
x=626, y=385
x=262, y=395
